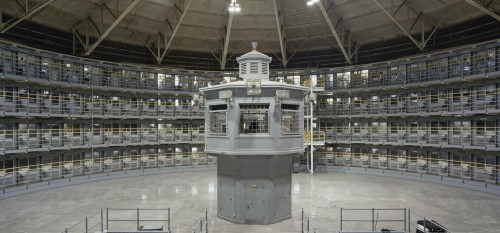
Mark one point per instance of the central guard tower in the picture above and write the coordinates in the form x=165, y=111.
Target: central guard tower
x=254, y=127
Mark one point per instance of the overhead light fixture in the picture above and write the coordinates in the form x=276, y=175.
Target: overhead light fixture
x=311, y=2
x=234, y=7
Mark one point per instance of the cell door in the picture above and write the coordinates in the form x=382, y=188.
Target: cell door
x=254, y=201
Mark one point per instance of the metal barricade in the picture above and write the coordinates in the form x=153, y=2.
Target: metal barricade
x=91, y=223
x=139, y=218
x=307, y=225
x=389, y=217
x=421, y=224
x=202, y=223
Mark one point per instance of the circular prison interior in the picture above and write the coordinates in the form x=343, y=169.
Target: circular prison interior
x=250, y=115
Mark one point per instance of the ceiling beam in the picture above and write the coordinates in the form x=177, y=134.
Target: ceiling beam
x=167, y=46
x=433, y=31
x=415, y=21
x=225, y=45
x=109, y=10
x=24, y=16
x=95, y=25
x=399, y=7
x=399, y=25
x=113, y=25
x=281, y=33
x=334, y=32
x=297, y=49
x=483, y=9
x=146, y=44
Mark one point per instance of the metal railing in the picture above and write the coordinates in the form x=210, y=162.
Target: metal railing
x=397, y=220
x=24, y=177
x=34, y=102
x=92, y=223
x=444, y=101
x=369, y=219
x=31, y=64
x=44, y=173
x=421, y=223
x=407, y=132
x=487, y=173
x=202, y=223
x=33, y=137
x=307, y=224
x=95, y=221
x=318, y=136
x=138, y=219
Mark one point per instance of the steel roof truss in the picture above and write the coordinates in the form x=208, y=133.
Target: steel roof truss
x=109, y=10
x=281, y=31
x=333, y=31
x=418, y=44
x=174, y=32
x=110, y=28
x=484, y=8
x=19, y=18
x=225, y=40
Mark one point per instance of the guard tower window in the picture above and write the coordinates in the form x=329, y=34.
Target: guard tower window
x=218, y=120
x=290, y=119
x=254, y=118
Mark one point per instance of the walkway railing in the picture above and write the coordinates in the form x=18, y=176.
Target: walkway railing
x=95, y=221
x=139, y=218
x=307, y=225
x=31, y=176
x=202, y=223
x=363, y=219
x=92, y=223
x=485, y=173
x=420, y=223
x=397, y=220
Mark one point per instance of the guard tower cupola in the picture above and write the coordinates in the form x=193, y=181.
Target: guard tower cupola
x=254, y=65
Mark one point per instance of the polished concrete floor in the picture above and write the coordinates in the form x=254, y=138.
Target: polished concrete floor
x=189, y=193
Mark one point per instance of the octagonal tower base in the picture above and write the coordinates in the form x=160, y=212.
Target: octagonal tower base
x=254, y=189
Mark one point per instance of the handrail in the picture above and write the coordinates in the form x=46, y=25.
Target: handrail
x=202, y=223
x=87, y=228
x=307, y=224
x=317, y=136
x=32, y=64
x=422, y=228
x=46, y=172
x=138, y=218
x=407, y=221
x=101, y=218
x=374, y=220
x=84, y=166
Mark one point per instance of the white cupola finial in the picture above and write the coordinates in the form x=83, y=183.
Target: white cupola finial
x=254, y=46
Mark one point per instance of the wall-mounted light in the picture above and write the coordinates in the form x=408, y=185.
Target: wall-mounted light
x=254, y=86
x=234, y=6
x=199, y=100
x=311, y=98
x=226, y=96
x=281, y=95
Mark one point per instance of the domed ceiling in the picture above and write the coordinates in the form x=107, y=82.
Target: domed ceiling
x=190, y=33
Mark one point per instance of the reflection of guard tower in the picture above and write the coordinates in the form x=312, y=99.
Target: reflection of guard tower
x=254, y=127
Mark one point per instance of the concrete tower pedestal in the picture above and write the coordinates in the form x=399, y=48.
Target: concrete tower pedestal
x=254, y=127
x=254, y=189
